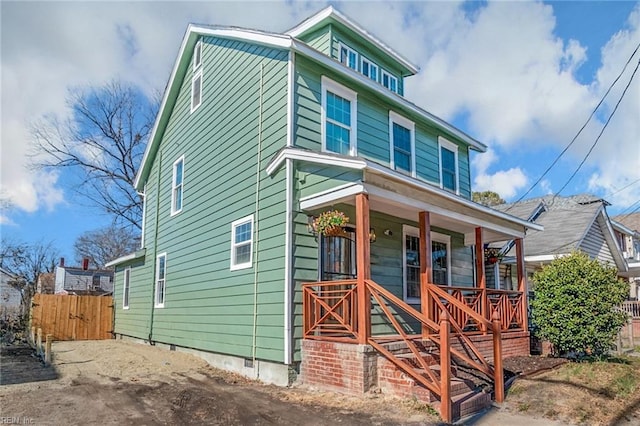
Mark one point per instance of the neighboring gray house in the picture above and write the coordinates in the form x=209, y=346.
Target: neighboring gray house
x=82, y=280
x=10, y=297
x=627, y=231
x=578, y=222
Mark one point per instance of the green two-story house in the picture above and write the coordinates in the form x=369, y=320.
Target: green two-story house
x=257, y=135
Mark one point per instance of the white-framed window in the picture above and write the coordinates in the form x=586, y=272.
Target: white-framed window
x=161, y=280
x=402, y=143
x=196, y=90
x=389, y=81
x=177, y=186
x=242, y=243
x=197, y=55
x=369, y=69
x=348, y=56
x=125, y=287
x=448, y=155
x=339, y=118
x=440, y=261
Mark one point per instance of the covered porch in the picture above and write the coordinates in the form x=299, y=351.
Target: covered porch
x=464, y=320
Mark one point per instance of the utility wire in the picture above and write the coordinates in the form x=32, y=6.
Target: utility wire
x=593, y=145
x=579, y=131
x=623, y=188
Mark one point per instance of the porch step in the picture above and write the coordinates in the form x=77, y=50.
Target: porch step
x=466, y=404
x=410, y=358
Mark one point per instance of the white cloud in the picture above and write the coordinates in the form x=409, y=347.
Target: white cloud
x=501, y=66
x=504, y=182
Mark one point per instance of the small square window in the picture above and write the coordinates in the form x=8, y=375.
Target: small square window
x=196, y=91
x=389, y=81
x=369, y=69
x=349, y=57
x=242, y=243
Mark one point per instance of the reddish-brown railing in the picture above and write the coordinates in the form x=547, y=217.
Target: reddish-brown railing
x=330, y=310
x=508, y=304
x=331, y=313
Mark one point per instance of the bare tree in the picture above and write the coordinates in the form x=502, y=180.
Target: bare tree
x=27, y=262
x=104, y=141
x=103, y=245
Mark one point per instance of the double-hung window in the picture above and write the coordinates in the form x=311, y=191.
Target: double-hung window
x=177, y=187
x=402, y=135
x=125, y=288
x=448, y=165
x=368, y=68
x=161, y=281
x=339, y=117
x=389, y=81
x=242, y=243
x=349, y=57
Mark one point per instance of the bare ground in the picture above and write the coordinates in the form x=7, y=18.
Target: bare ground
x=116, y=382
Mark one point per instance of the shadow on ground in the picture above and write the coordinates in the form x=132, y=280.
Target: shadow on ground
x=20, y=364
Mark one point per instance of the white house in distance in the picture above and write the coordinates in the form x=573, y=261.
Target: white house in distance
x=10, y=297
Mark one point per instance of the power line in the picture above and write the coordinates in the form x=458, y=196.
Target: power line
x=623, y=188
x=593, y=145
x=579, y=131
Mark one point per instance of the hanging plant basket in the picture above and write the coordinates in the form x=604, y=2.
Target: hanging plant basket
x=492, y=255
x=330, y=223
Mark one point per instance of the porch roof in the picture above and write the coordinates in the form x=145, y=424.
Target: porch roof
x=404, y=196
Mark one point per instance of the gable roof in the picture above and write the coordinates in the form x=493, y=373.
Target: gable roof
x=631, y=221
x=278, y=41
x=330, y=14
x=566, y=221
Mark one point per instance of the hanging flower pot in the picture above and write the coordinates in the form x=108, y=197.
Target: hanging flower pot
x=492, y=255
x=330, y=223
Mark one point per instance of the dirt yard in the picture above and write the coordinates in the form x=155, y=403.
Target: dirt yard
x=117, y=382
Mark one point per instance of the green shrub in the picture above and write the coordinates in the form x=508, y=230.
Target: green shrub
x=576, y=305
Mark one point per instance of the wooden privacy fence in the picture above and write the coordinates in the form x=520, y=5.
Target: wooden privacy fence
x=73, y=317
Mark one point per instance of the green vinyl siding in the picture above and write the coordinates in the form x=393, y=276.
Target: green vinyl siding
x=134, y=321
x=208, y=306
x=319, y=39
x=373, y=140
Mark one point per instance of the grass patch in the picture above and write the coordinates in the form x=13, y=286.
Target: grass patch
x=592, y=391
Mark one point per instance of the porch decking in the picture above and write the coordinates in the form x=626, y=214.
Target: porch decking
x=341, y=311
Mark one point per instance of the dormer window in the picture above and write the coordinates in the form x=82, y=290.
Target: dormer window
x=369, y=68
x=389, y=81
x=349, y=57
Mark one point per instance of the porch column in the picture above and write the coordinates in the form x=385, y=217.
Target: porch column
x=522, y=282
x=481, y=280
x=363, y=267
x=425, y=269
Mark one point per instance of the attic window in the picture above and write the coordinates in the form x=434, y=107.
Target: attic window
x=349, y=57
x=369, y=68
x=196, y=90
x=389, y=81
x=197, y=55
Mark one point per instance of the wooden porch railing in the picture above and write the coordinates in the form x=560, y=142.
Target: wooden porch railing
x=507, y=303
x=330, y=313
x=632, y=308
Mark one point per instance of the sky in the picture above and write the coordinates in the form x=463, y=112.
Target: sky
x=521, y=77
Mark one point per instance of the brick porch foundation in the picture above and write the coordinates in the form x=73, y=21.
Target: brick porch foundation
x=356, y=369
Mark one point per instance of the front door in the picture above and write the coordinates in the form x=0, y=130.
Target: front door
x=440, y=261
x=338, y=256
